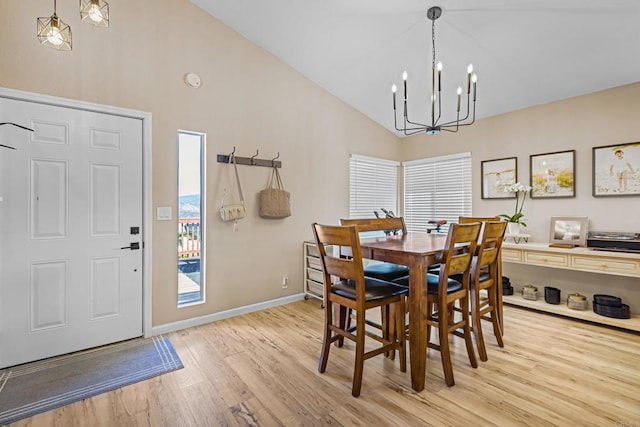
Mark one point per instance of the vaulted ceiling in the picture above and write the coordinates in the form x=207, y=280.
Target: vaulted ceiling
x=525, y=52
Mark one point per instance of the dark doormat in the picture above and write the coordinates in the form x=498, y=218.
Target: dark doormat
x=33, y=388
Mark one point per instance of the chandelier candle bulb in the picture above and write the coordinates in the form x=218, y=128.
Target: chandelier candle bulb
x=393, y=89
x=469, y=71
x=404, y=78
x=459, y=96
x=474, y=79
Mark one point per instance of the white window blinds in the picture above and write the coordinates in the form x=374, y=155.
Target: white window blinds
x=437, y=188
x=373, y=186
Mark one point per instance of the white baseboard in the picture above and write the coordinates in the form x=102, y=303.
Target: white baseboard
x=182, y=324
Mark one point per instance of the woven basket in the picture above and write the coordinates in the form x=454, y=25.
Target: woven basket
x=530, y=292
x=577, y=302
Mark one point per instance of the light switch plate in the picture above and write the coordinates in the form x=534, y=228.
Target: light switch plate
x=163, y=213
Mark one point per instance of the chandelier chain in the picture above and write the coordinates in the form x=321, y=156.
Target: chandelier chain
x=433, y=44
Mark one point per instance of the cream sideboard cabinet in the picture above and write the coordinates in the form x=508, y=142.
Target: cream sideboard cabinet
x=604, y=263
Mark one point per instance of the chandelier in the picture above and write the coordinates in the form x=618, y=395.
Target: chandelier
x=410, y=127
x=56, y=34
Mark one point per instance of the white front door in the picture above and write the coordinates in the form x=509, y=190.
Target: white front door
x=70, y=202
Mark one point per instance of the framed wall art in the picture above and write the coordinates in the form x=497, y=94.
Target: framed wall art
x=496, y=174
x=616, y=170
x=552, y=174
x=568, y=231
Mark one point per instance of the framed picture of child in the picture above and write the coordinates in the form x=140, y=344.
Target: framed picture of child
x=552, y=175
x=616, y=170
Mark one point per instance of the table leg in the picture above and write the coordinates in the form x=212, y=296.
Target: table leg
x=417, y=326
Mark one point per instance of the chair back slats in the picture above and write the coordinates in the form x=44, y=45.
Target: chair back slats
x=460, y=247
x=377, y=224
x=341, y=267
x=344, y=268
x=491, y=242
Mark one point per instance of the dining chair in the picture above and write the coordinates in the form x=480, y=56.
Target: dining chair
x=351, y=290
x=381, y=270
x=470, y=219
x=443, y=292
x=485, y=276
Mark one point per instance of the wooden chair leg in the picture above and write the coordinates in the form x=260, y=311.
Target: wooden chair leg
x=398, y=335
x=429, y=314
x=495, y=317
x=344, y=318
x=388, y=326
x=445, y=353
x=464, y=302
x=326, y=341
x=476, y=319
x=359, y=363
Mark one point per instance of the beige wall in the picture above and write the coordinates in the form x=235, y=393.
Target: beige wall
x=602, y=118
x=248, y=99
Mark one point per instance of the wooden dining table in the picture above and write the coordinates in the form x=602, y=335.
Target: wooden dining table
x=417, y=251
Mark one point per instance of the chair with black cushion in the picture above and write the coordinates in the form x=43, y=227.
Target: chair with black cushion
x=351, y=290
x=381, y=270
x=443, y=292
x=485, y=275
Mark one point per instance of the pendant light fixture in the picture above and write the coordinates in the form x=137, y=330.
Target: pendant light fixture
x=54, y=32
x=95, y=12
x=435, y=127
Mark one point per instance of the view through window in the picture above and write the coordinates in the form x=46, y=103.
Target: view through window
x=190, y=217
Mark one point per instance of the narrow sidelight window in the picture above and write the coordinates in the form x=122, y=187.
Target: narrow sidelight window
x=191, y=215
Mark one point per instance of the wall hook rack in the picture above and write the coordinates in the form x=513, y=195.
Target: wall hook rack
x=250, y=161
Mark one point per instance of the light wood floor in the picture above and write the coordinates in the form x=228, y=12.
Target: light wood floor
x=260, y=369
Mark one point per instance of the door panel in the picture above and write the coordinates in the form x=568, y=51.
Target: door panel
x=48, y=199
x=48, y=294
x=70, y=193
x=105, y=287
x=105, y=200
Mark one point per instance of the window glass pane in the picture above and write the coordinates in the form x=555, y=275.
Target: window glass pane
x=373, y=186
x=436, y=189
x=190, y=218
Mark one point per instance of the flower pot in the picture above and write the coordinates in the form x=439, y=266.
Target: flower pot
x=513, y=228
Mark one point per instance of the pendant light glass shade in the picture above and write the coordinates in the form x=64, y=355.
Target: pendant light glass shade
x=54, y=33
x=95, y=12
